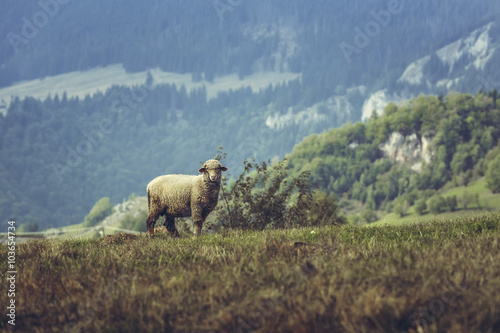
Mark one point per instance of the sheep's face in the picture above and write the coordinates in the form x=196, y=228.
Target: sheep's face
x=212, y=169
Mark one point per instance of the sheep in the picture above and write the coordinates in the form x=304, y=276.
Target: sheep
x=183, y=195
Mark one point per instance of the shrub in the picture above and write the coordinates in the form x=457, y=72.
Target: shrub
x=451, y=202
x=464, y=178
x=353, y=219
x=420, y=206
x=475, y=200
x=369, y=216
x=437, y=204
x=28, y=227
x=99, y=212
x=465, y=199
x=134, y=222
x=267, y=197
x=493, y=175
x=401, y=207
x=324, y=209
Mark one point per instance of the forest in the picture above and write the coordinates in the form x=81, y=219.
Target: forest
x=284, y=35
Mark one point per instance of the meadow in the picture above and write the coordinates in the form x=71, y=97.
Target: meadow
x=436, y=276
x=487, y=201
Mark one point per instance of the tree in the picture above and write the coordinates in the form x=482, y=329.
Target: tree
x=353, y=219
x=436, y=204
x=369, y=216
x=458, y=163
x=493, y=175
x=99, y=212
x=401, y=207
x=475, y=200
x=370, y=200
x=494, y=95
x=420, y=206
x=465, y=199
x=324, y=209
x=451, y=202
x=28, y=227
x=464, y=178
x=149, y=80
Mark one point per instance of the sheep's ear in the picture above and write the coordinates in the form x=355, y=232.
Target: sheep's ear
x=202, y=170
x=223, y=168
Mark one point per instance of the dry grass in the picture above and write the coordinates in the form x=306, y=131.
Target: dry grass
x=118, y=239
x=435, y=277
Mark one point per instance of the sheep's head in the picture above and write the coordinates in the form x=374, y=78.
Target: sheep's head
x=212, y=169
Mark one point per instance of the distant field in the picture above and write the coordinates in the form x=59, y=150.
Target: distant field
x=79, y=84
x=488, y=201
x=441, y=276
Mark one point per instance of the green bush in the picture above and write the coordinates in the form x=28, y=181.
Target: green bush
x=452, y=203
x=401, y=207
x=465, y=199
x=420, y=206
x=137, y=223
x=353, y=219
x=493, y=175
x=437, y=204
x=324, y=209
x=266, y=197
x=99, y=212
x=28, y=227
x=369, y=216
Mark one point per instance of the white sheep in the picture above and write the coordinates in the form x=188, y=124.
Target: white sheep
x=183, y=195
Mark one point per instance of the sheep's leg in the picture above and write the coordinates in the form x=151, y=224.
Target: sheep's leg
x=198, y=218
x=170, y=225
x=197, y=227
x=198, y=222
x=150, y=223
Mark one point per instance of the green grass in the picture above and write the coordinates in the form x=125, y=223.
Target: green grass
x=334, y=278
x=488, y=201
x=412, y=217
x=486, y=197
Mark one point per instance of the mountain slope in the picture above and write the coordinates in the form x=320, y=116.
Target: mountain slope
x=409, y=152
x=244, y=38
x=468, y=64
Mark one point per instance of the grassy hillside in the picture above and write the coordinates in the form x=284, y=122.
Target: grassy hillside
x=442, y=276
x=487, y=201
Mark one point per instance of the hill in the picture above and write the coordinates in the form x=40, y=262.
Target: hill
x=473, y=199
x=412, y=151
